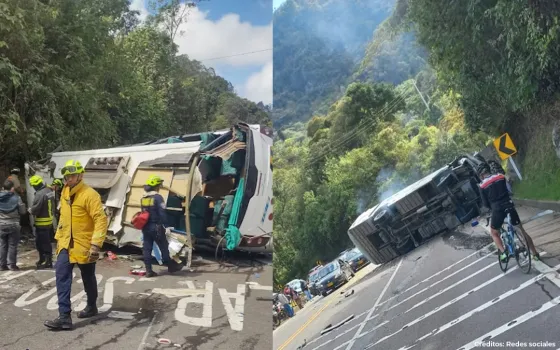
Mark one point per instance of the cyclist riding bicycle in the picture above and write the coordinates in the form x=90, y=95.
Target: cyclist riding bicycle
x=495, y=195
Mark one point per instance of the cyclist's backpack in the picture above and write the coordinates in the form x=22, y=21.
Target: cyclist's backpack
x=140, y=219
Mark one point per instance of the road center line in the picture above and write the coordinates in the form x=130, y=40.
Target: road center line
x=480, y=308
x=438, y=282
x=363, y=324
x=511, y=324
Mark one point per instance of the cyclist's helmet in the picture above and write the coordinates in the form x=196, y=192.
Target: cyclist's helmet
x=483, y=168
x=15, y=171
x=154, y=180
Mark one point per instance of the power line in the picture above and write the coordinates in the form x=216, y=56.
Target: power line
x=239, y=54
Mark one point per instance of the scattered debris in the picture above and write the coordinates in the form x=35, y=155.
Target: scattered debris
x=418, y=258
x=349, y=293
x=328, y=329
x=136, y=267
x=122, y=315
x=177, y=345
x=26, y=309
x=138, y=272
x=164, y=341
x=112, y=256
x=302, y=345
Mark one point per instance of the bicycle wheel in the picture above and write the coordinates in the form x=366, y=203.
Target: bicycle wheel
x=522, y=253
x=503, y=264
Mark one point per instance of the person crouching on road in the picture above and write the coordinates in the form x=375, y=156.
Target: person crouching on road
x=11, y=209
x=43, y=211
x=80, y=234
x=154, y=230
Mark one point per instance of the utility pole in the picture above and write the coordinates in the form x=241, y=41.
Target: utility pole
x=419, y=93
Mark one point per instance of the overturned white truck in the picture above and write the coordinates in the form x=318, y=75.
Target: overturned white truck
x=227, y=176
x=443, y=200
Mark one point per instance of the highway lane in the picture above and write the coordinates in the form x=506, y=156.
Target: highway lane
x=446, y=294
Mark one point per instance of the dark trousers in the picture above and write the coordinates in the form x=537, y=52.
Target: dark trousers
x=64, y=282
x=151, y=236
x=9, y=239
x=43, y=236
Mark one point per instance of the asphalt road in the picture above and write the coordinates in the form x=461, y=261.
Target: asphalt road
x=447, y=294
x=215, y=306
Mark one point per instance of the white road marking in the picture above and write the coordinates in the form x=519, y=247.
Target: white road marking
x=205, y=300
x=53, y=302
x=10, y=275
x=480, y=308
x=441, y=280
x=235, y=314
x=110, y=291
x=143, y=342
x=363, y=324
x=511, y=324
x=176, y=292
x=440, y=272
x=491, y=265
x=22, y=300
x=256, y=286
x=551, y=273
x=121, y=315
x=346, y=331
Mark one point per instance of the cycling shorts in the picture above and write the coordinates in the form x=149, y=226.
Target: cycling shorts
x=499, y=216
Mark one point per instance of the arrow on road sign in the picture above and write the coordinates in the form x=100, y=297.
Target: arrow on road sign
x=504, y=146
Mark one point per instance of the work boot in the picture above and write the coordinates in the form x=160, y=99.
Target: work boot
x=39, y=264
x=151, y=273
x=174, y=266
x=4, y=268
x=48, y=262
x=61, y=322
x=88, y=312
x=13, y=267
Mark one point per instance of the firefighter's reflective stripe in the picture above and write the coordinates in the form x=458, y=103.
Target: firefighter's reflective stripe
x=45, y=221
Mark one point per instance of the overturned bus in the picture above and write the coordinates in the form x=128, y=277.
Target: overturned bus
x=443, y=200
x=226, y=176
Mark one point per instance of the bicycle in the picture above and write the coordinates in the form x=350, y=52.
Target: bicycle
x=514, y=245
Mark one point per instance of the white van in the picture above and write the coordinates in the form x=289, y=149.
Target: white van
x=226, y=174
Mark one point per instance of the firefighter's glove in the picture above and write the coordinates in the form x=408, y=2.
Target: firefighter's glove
x=93, y=255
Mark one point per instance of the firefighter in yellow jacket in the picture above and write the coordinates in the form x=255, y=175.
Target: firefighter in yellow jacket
x=80, y=234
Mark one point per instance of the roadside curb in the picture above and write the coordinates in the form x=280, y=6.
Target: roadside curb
x=540, y=204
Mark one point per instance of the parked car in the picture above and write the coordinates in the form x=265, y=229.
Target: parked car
x=333, y=275
x=355, y=258
x=313, y=278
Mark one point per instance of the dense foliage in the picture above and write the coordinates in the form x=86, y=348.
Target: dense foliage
x=502, y=56
x=85, y=74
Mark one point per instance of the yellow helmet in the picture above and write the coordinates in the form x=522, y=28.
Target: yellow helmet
x=72, y=167
x=35, y=180
x=154, y=180
x=57, y=182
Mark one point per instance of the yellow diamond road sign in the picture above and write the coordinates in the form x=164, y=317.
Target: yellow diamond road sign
x=504, y=146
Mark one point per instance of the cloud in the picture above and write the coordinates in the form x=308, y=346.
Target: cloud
x=259, y=85
x=205, y=39
x=138, y=5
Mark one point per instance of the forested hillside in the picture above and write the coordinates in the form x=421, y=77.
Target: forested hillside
x=86, y=74
x=458, y=74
